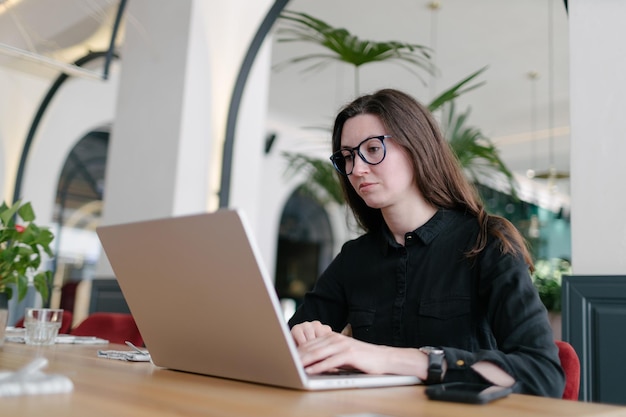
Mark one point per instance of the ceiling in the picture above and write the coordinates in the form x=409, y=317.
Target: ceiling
x=526, y=117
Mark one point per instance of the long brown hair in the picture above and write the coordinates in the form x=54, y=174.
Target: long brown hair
x=438, y=173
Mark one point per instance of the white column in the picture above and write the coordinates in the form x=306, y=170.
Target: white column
x=179, y=64
x=598, y=107
x=159, y=149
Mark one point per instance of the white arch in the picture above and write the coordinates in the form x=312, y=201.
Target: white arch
x=80, y=106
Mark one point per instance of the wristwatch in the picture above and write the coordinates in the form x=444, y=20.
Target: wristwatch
x=435, y=364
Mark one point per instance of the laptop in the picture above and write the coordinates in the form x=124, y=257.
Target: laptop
x=205, y=304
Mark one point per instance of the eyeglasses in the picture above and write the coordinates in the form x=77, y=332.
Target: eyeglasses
x=373, y=153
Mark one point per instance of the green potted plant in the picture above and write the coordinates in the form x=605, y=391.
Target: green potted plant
x=22, y=244
x=547, y=279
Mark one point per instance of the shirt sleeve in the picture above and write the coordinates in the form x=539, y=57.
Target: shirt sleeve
x=519, y=322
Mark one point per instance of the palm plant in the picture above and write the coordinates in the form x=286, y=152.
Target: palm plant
x=476, y=152
x=322, y=183
x=343, y=46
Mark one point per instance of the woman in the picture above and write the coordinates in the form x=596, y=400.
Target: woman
x=436, y=287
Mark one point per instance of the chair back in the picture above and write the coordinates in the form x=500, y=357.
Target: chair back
x=571, y=367
x=114, y=327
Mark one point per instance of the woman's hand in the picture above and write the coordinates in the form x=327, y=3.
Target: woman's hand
x=309, y=330
x=331, y=351
x=322, y=350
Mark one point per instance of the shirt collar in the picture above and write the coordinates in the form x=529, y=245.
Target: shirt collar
x=426, y=233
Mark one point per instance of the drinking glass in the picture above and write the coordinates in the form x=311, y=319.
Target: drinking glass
x=42, y=325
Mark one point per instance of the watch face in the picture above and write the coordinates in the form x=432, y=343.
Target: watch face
x=430, y=349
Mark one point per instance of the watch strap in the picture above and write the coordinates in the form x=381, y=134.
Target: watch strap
x=435, y=364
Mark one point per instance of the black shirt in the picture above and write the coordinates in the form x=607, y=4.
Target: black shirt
x=428, y=293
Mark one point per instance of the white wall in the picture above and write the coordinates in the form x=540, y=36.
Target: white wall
x=21, y=95
x=598, y=107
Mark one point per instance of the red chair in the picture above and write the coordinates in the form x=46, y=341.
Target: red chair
x=66, y=323
x=114, y=327
x=571, y=367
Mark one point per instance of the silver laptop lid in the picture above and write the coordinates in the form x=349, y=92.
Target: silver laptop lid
x=202, y=299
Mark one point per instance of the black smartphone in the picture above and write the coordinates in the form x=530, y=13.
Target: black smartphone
x=466, y=392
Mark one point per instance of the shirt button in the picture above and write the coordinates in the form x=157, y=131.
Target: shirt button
x=460, y=362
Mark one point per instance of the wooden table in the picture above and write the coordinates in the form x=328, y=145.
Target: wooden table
x=106, y=387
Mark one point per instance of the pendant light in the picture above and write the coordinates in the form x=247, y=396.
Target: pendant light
x=551, y=174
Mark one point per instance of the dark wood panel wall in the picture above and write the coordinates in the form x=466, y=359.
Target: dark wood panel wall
x=594, y=323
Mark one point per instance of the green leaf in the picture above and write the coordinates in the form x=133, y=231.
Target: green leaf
x=26, y=212
x=9, y=292
x=345, y=47
x=320, y=176
x=476, y=153
x=42, y=282
x=44, y=240
x=455, y=91
x=7, y=213
x=22, y=286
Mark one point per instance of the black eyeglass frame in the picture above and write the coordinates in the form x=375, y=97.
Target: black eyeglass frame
x=338, y=155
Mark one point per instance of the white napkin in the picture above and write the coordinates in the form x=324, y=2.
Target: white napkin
x=30, y=381
x=16, y=335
